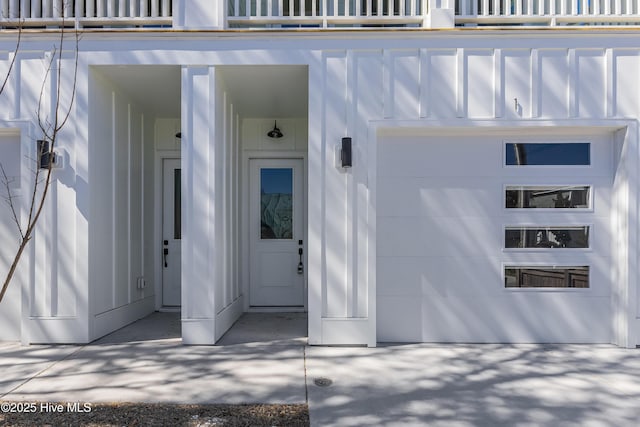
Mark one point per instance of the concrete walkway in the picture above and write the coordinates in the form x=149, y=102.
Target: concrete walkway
x=264, y=359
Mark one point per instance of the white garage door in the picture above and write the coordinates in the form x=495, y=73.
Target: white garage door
x=493, y=239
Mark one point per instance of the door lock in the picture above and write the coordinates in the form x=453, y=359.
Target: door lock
x=300, y=264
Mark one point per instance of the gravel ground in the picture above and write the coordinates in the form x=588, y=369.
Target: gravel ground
x=136, y=415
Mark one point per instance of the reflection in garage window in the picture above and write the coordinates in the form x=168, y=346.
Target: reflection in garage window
x=546, y=277
x=548, y=154
x=546, y=237
x=547, y=197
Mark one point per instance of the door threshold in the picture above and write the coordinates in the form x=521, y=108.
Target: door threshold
x=273, y=309
x=170, y=309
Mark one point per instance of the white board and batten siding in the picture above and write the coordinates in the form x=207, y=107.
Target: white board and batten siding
x=10, y=307
x=210, y=182
x=120, y=231
x=474, y=80
x=507, y=92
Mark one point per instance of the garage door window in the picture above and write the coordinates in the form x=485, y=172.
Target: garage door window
x=548, y=154
x=546, y=237
x=546, y=277
x=547, y=197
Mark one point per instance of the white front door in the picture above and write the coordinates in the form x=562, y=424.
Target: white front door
x=171, y=233
x=276, y=212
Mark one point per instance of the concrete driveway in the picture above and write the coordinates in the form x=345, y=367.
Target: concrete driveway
x=476, y=385
x=264, y=359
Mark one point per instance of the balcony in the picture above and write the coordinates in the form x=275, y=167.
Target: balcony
x=86, y=13
x=419, y=13
x=336, y=14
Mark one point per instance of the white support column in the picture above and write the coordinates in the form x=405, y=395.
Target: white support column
x=439, y=14
x=200, y=14
x=315, y=204
x=198, y=205
x=626, y=314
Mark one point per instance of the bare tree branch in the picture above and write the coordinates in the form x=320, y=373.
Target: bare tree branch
x=50, y=131
x=10, y=198
x=13, y=59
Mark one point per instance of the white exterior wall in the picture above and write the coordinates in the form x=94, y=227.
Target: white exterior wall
x=467, y=83
x=10, y=307
x=211, y=291
x=53, y=291
x=357, y=83
x=121, y=219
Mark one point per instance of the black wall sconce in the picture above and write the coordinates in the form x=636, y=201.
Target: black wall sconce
x=345, y=153
x=45, y=156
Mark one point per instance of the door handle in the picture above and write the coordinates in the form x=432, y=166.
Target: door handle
x=300, y=264
x=165, y=252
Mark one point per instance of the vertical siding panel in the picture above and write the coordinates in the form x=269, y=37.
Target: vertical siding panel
x=516, y=72
x=228, y=227
x=65, y=221
x=404, y=84
x=591, y=79
x=8, y=101
x=535, y=84
x=498, y=83
x=368, y=74
x=554, y=83
x=626, y=90
x=217, y=180
x=351, y=196
x=479, y=83
x=100, y=169
x=231, y=218
x=424, y=83
x=235, y=167
x=334, y=215
x=442, y=82
x=114, y=206
x=135, y=202
x=387, y=85
x=121, y=202
x=10, y=307
x=573, y=83
x=316, y=258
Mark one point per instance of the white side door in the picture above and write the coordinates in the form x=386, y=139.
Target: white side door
x=276, y=215
x=171, y=232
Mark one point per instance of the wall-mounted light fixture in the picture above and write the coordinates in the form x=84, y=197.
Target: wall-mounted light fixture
x=345, y=153
x=45, y=156
x=275, y=132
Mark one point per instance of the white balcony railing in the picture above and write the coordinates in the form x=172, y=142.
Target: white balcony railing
x=326, y=13
x=365, y=13
x=232, y=14
x=86, y=13
x=548, y=12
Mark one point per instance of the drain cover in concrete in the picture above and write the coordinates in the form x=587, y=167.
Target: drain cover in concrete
x=322, y=382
